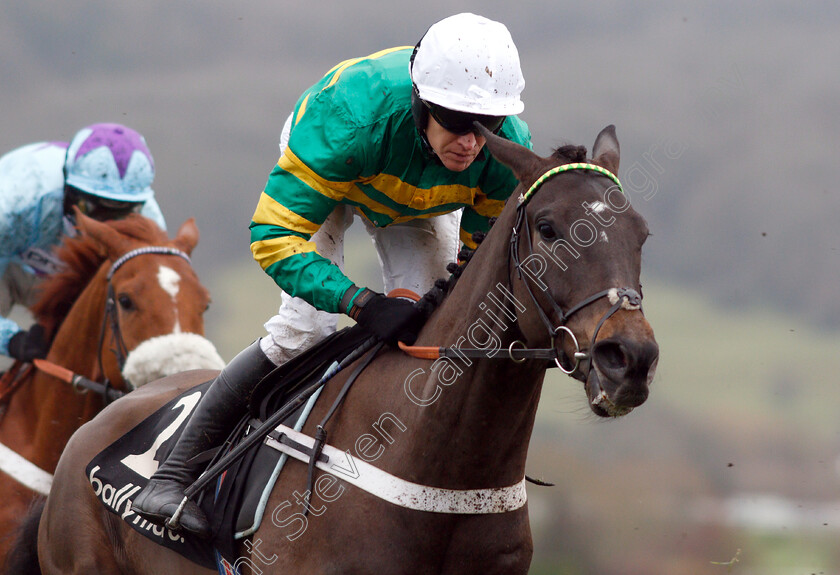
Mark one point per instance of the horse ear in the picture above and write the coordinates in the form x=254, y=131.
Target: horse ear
x=606, y=152
x=110, y=241
x=187, y=237
x=522, y=161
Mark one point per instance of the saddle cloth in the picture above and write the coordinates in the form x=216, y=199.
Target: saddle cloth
x=236, y=504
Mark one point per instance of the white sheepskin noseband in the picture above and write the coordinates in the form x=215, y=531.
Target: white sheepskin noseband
x=169, y=354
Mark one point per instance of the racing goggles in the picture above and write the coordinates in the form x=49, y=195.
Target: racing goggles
x=461, y=123
x=101, y=209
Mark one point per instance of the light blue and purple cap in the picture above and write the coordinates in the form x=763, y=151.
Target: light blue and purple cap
x=111, y=161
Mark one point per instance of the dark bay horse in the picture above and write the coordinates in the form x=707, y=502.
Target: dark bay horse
x=428, y=455
x=157, y=325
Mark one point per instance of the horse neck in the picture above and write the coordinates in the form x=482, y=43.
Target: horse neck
x=60, y=408
x=76, y=343
x=477, y=431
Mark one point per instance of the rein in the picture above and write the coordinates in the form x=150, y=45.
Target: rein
x=11, y=380
x=625, y=297
x=257, y=435
x=79, y=383
x=111, y=315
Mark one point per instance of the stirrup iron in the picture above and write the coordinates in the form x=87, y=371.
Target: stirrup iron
x=174, y=522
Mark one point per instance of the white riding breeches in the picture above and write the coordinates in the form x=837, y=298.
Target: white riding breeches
x=412, y=255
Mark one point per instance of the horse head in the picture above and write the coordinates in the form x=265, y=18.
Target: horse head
x=154, y=302
x=576, y=254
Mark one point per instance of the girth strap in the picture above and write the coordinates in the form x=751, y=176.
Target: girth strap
x=24, y=472
x=405, y=493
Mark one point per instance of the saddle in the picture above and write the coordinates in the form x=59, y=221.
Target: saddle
x=237, y=501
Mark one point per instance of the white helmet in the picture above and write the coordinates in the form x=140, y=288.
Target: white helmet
x=110, y=161
x=468, y=63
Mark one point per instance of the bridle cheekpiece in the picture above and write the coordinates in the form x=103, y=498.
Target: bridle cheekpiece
x=625, y=297
x=111, y=316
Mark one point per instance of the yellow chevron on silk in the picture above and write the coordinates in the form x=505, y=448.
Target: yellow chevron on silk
x=418, y=198
x=269, y=252
x=270, y=210
x=341, y=66
x=488, y=207
x=332, y=189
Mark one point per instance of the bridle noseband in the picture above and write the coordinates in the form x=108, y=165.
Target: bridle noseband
x=111, y=316
x=624, y=297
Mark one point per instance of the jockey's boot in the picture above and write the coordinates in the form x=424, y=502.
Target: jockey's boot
x=223, y=404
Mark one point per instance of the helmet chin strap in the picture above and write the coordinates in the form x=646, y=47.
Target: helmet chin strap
x=421, y=120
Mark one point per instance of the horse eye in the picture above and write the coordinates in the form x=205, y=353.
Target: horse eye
x=546, y=231
x=125, y=302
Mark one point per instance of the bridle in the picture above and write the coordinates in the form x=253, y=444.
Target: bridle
x=623, y=297
x=111, y=316
x=619, y=297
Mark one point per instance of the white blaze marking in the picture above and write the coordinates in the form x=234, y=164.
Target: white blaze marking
x=604, y=237
x=597, y=207
x=169, y=280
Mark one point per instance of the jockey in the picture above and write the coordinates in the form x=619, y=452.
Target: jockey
x=388, y=138
x=106, y=171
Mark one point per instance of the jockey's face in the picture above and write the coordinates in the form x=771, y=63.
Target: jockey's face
x=456, y=151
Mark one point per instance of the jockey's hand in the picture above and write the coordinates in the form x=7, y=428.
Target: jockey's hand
x=389, y=318
x=28, y=345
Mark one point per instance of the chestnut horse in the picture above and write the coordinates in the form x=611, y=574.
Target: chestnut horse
x=426, y=469
x=146, y=280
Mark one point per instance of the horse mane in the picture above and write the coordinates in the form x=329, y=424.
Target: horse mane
x=434, y=297
x=82, y=257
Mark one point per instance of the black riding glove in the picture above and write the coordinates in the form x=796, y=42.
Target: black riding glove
x=28, y=345
x=391, y=319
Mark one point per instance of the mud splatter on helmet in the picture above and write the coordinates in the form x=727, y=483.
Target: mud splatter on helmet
x=112, y=162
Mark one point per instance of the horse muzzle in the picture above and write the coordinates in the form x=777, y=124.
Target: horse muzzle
x=620, y=373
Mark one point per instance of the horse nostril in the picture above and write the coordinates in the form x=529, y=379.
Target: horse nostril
x=626, y=359
x=610, y=356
